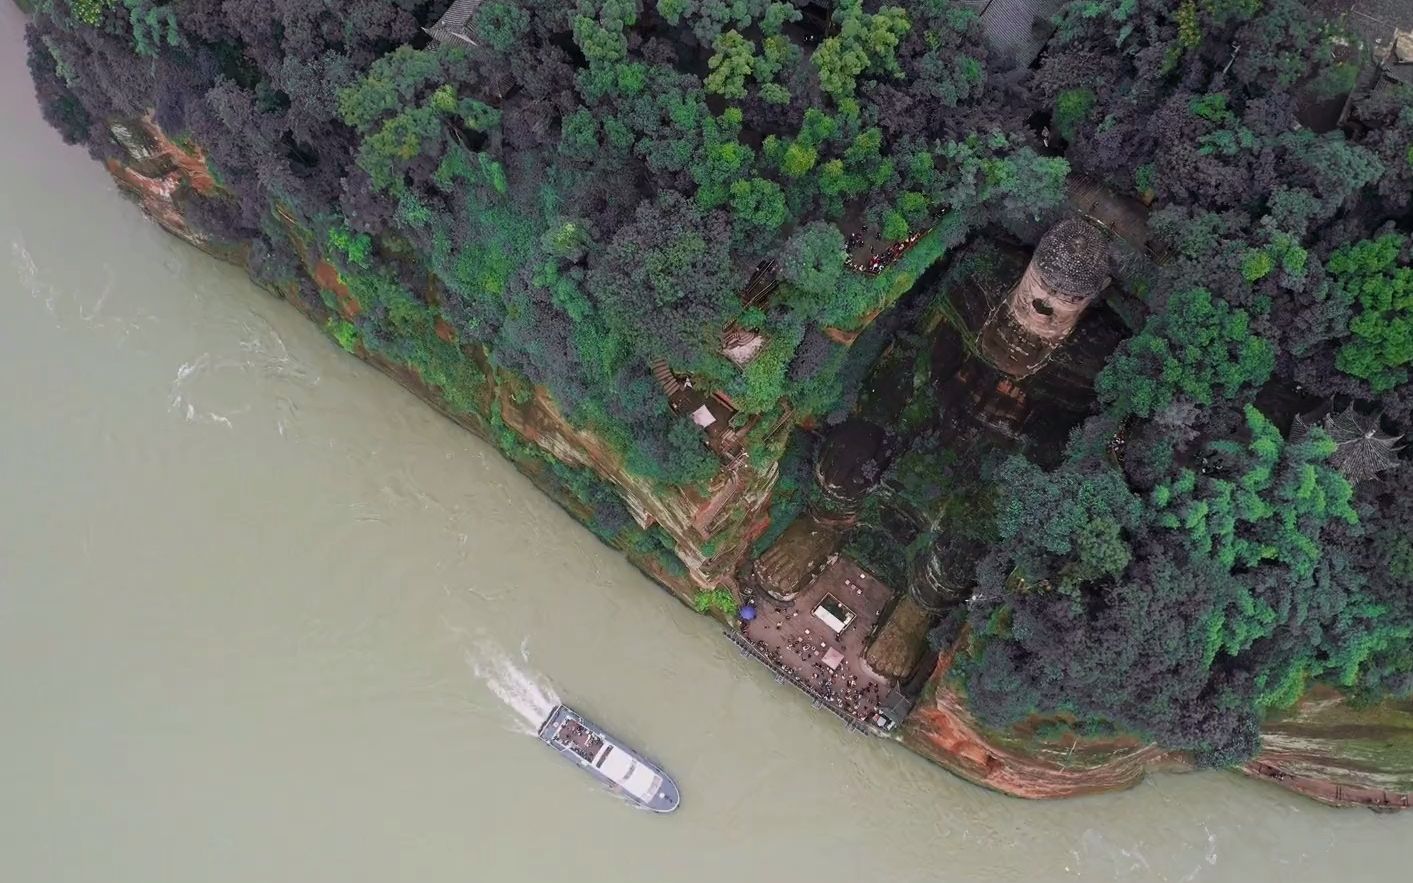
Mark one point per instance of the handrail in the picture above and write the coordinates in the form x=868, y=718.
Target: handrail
x=849, y=720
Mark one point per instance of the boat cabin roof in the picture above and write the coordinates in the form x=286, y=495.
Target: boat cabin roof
x=634, y=777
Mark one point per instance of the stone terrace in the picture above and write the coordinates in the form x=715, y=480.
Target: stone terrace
x=791, y=639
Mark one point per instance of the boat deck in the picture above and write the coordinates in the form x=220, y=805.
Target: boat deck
x=579, y=739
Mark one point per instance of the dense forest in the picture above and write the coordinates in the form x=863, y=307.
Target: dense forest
x=583, y=189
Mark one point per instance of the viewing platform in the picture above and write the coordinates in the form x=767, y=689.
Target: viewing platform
x=817, y=642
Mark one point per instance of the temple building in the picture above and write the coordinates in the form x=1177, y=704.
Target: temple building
x=1362, y=448
x=1015, y=30
x=455, y=23
x=711, y=412
x=1068, y=270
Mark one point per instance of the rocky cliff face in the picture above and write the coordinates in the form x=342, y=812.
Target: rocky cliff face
x=1022, y=762
x=711, y=529
x=1339, y=753
x=157, y=169
x=1324, y=748
x=721, y=516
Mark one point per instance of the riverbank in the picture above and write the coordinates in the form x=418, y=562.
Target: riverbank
x=1322, y=749
x=296, y=646
x=709, y=532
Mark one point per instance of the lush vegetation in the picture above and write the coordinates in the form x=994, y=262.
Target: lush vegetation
x=585, y=190
x=1215, y=563
x=589, y=187
x=720, y=600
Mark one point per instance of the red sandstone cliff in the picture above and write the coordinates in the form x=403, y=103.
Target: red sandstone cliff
x=1323, y=748
x=711, y=528
x=1019, y=762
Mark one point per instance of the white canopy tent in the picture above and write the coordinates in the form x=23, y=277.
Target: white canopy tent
x=833, y=614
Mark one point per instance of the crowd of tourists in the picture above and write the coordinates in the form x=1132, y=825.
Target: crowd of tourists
x=856, y=695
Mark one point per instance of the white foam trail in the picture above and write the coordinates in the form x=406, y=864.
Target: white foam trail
x=524, y=691
x=179, y=402
x=89, y=314
x=263, y=351
x=26, y=270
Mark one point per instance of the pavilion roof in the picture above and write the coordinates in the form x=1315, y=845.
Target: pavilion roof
x=455, y=22
x=1018, y=29
x=1362, y=448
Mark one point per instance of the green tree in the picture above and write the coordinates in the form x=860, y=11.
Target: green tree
x=578, y=135
x=758, y=203
x=725, y=162
x=730, y=65
x=778, y=53
x=1197, y=347
x=762, y=383
x=1067, y=528
x=894, y=227
x=864, y=42
x=1268, y=502
x=673, y=10
x=1072, y=107
x=1372, y=276
x=777, y=13
x=90, y=12
x=501, y=25
x=797, y=159
x=813, y=257
x=152, y=26
x=1256, y=265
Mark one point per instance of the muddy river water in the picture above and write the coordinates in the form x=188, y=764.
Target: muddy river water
x=266, y=617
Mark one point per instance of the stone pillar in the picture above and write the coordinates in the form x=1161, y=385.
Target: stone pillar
x=1067, y=271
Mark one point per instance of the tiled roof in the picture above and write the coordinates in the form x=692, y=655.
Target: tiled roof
x=455, y=23
x=1018, y=29
x=1378, y=22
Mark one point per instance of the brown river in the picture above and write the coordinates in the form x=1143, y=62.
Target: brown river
x=266, y=617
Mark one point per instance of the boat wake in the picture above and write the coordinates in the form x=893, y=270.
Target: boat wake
x=523, y=690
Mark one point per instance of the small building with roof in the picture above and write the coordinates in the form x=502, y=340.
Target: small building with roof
x=1386, y=27
x=1016, y=30
x=455, y=23
x=1362, y=448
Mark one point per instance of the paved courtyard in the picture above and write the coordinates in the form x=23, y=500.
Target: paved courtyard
x=804, y=644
